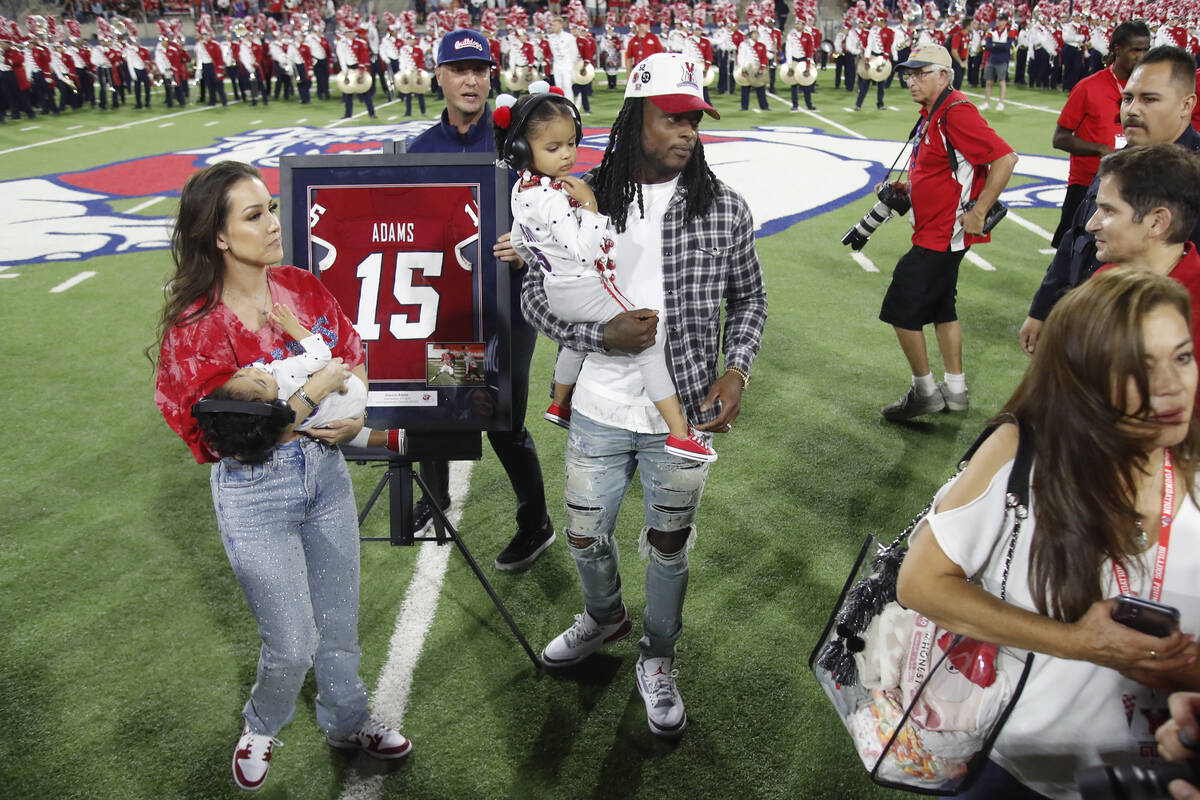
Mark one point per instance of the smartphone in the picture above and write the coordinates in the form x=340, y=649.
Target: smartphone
x=1146, y=616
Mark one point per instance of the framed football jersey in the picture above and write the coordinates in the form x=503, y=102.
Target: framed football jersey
x=404, y=244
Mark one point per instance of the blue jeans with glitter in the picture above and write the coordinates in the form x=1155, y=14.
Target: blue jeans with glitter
x=291, y=533
x=600, y=462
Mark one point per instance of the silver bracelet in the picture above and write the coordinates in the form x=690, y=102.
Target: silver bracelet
x=308, y=401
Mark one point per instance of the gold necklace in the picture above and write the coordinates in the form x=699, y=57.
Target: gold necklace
x=256, y=301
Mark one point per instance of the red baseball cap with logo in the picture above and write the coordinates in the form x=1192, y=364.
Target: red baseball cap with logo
x=672, y=82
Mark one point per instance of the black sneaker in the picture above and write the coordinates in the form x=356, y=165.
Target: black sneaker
x=423, y=516
x=525, y=548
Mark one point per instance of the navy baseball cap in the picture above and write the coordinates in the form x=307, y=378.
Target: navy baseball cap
x=464, y=44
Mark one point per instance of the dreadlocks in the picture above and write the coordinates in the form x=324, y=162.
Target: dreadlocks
x=616, y=180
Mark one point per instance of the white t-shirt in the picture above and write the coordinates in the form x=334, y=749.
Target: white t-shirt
x=610, y=388
x=1072, y=714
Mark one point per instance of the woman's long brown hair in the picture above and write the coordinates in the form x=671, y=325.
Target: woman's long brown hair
x=203, y=210
x=1072, y=401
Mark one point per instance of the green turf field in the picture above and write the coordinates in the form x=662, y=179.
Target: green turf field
x=128, y=648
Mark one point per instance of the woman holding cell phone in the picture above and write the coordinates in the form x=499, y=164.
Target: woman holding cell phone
x=1108, y=405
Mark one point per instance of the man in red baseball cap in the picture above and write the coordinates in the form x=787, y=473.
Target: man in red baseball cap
x=672, y=82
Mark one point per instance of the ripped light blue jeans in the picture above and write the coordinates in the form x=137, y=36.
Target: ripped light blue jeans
x=600, y=462
x=290, y=531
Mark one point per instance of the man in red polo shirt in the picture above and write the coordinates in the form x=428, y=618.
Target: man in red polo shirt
x=643, y=45
x=957, y=160
x=1090, y=125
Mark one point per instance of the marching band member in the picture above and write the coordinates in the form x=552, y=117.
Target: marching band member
x=752, y=56
x=412, y=59
x=564, y=52
x=877, y=43
x=586, y=47
x=801, y=50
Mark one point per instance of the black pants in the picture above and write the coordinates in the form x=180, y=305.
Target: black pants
x=847, y=63
x=408, y=103
x=321, y=73
x=796, y=89
x=515, y=449
x=760, y=91
x=141, y=86
x=1022, y=60
x=864, y=86
x=1072, y=67
x=367, y=97
x=215, y=88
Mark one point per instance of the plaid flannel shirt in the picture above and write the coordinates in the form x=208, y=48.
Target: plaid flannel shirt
x=712, y=259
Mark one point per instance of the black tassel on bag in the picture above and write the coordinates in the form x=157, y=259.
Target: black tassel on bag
x=865, y=601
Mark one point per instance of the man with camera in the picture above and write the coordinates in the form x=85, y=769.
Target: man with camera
x=1156, y=108
x=958, y=168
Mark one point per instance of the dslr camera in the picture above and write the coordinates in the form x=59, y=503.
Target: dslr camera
x=893, y=199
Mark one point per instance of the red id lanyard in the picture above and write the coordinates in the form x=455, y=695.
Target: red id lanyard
x=1164, y=536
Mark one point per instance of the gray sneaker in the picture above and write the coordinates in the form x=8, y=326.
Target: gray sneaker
x=913, y=404
x=955, y=401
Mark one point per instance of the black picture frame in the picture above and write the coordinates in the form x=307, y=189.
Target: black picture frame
x=400, y=188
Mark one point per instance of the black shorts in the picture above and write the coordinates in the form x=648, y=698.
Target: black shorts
x=924, y=285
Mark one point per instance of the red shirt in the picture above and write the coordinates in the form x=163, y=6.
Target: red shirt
x=937, y=193
x=641, y=47
x=197, y=358
x=1092, y=112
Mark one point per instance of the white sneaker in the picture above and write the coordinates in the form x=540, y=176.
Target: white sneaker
x=999, y=106
x=983, y=107
x=583, y=638
x=252, y=759
x=664, y=706
x=375, y=739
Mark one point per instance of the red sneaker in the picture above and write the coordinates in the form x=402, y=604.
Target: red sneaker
x=692, y=447
x=558, y=415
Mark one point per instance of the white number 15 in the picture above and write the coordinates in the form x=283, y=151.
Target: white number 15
x=425, y=298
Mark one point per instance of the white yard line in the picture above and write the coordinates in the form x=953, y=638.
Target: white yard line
x=1031, y=226
x=864, y=262
x=67, y=284
x=4, y=273
x=1019, y=105
x=980, y=262
x=1047, y=251
x=166, y=124
x=74, y=127
x=815, y=115
x=145, y=205
x=389, y=701
x=97, y=130
x=378, y=106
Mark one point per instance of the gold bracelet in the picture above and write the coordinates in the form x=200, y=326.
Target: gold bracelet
x=741, y=373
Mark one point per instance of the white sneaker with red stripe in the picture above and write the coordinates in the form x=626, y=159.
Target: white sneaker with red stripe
x=375, y=739
x=693, y=447
x=583, y=638
x=252, y=759
x=664, y=706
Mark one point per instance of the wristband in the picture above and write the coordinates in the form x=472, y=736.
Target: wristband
x=308, y=401
x=741, y=373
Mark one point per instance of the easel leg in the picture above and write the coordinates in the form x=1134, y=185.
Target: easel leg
x=447, y=531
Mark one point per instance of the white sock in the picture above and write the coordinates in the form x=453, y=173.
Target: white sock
x=924, y=383
x=956, y=383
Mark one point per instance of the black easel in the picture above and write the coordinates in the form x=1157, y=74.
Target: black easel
x=399, y=477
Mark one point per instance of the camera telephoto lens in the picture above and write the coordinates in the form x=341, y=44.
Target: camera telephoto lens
x=1132, y=781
